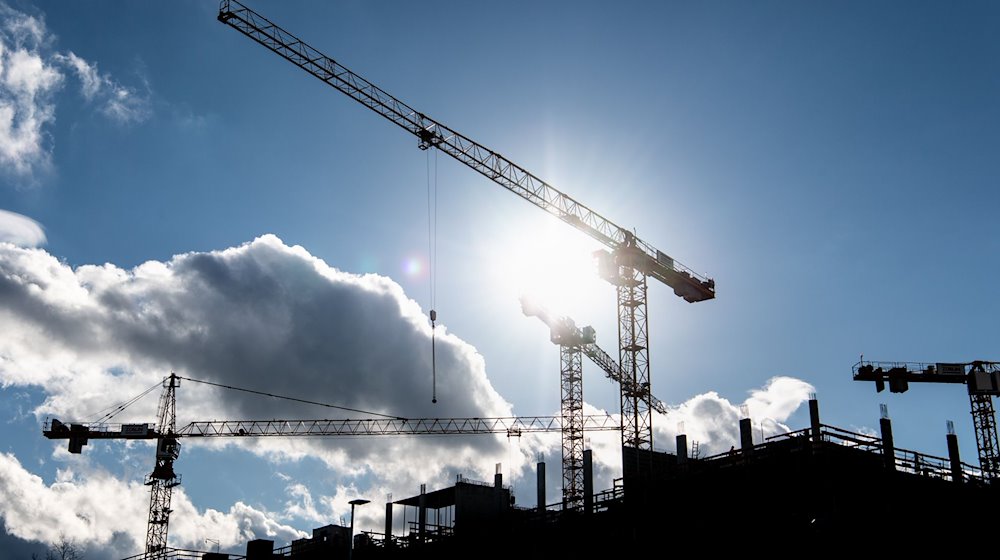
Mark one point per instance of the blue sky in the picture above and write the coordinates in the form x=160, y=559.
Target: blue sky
x=831, y=165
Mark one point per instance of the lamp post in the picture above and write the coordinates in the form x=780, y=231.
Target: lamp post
x=350, y=542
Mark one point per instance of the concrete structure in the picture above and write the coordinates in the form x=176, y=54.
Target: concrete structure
x=793, y=492
x=327, y=543
x=467, y=509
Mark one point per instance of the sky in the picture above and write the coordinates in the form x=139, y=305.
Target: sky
x=174, y=197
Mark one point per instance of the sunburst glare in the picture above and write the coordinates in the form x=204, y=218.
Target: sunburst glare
x=555, y=268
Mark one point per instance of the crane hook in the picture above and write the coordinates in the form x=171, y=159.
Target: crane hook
x=434, y=399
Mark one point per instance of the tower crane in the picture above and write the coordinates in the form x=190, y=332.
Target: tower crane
x=627, y=263
x=982, y=379
x=164, y=431
x=573, y=342
x=163, y=479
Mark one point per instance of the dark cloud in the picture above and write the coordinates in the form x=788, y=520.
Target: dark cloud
x=21, y=549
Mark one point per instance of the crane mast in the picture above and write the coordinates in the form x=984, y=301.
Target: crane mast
x=982, y=379
x=163, y=479
x=613, y=371
x=564, y=330
x=627, y=265
x=574, y=342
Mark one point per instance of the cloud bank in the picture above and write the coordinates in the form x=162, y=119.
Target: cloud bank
x=263, y=316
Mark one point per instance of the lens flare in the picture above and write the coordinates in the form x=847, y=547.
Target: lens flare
x=413, y=267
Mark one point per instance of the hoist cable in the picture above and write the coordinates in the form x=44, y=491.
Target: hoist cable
x=432, y=264
x=115, y=409
x=262, y=393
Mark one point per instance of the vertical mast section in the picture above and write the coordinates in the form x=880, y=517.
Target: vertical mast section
x=637, y=422
x=636, y=399
x=985, y=424
x=983, y=384
x=623, y=268
x=571, y=362
x=163, y=478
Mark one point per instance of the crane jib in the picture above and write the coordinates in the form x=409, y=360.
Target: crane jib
x=431, y=133
x=81, y=432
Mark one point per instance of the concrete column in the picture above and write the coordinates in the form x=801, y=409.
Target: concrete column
x=541, y=486
x=388, y=524
x=422, y=513
x=682, y=449
x=498, y=491
x=956, y=461
x=588, y=481
x=888, y=448
x=260, y=549
x=814, y=424
x=746, y=436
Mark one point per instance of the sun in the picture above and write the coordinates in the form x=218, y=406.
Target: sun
x=555, y=268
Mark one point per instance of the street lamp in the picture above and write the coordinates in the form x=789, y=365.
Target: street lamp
x=350, y=542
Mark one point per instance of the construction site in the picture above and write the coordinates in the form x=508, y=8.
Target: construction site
x=818, y=483
x=821, y=483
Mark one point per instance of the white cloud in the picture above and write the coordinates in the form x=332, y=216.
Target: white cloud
x=34, y=511
x=91, y=81
x=301, y=506
x=708, y=418
x=21, y=27
x=713, y=421
x=190, y=528
x=28, y=82
x=123, y=104
x=778, y=399
x=30, y=75
x=262, y=315
x=95, y=509
x=865, y=431
x=20, y=230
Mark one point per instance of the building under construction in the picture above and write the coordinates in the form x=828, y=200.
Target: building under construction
x=820, y=484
